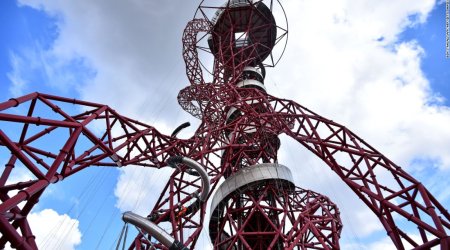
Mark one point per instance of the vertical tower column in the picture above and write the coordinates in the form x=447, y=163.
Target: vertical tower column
x=258, y=205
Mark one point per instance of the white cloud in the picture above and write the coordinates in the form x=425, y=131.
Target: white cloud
x=343, y=61
x=22, y=174
x=16, y=76
x=376, y=88
x=138, y=188
x=54, y=231
x=35, y=65
x=19, y=174
x=135, y=48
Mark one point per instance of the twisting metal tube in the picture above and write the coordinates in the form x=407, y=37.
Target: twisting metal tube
x=174, y=160
x=153, y=230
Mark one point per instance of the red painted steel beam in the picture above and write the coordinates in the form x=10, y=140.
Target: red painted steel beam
x=14, y=102
x=61, y=164
x=20, y=155
x=38, y=121
x=223, y=145
x=12, y=236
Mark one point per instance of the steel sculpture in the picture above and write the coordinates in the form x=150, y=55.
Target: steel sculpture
x=257, y=205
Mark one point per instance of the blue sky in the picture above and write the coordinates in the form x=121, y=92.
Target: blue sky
x=46, y=48
x=431, y=36
x=88, y=195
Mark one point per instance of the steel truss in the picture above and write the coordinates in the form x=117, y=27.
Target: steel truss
x=396, y=195
x=240, y=128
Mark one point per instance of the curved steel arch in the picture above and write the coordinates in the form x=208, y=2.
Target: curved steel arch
x=240, y=128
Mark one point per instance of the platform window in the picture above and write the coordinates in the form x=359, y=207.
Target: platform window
x=241, y=39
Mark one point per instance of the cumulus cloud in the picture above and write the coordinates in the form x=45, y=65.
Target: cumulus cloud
x=20, y=174
x=138, y=188
x=344, y=72
x=16, y=76
x=348, y=65
x=54, y=231
x=135, y=48
x=33, y=65
x=344, y=60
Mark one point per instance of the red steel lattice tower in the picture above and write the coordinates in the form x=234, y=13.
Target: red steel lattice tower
x=256, y=204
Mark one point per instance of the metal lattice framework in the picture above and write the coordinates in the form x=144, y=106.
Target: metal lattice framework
x=239, y=129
